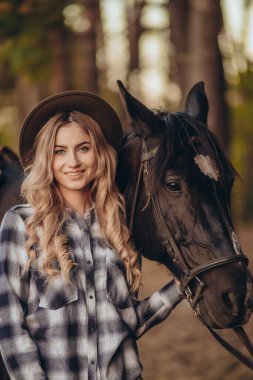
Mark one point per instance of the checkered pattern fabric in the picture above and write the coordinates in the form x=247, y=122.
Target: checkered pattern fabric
x=78, y=330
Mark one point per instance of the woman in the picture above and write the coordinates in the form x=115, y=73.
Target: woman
x=68, y=271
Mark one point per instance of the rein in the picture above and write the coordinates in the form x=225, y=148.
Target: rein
x=188, y=273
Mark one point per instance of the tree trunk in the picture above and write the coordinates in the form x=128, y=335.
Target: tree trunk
x=134, y=32
x=26, y=96
x=194, y=27
x=205, y=21
x=179, y=11
x=85, y=72
x=59, y=73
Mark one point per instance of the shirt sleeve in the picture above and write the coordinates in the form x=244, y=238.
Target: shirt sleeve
x=19, y=351
x=156, y=308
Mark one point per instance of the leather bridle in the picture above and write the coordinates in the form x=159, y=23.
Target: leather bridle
x=174, y=252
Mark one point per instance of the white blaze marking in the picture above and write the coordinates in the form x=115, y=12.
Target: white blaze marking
x=207, y=166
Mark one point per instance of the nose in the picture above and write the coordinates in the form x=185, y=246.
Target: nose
x=73, y=159
x=233, y=302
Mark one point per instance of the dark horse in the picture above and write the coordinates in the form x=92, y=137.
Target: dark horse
x=177, y=184
x=10, y=179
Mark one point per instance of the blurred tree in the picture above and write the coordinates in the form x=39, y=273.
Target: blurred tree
x=53, y=50
x=134, y=32
x=85, y=74
x=195, y=25
x=236, y=48
x=179, y=17
x=24, y=35
x=240, y=97
x=59, y=75
x=31, y=46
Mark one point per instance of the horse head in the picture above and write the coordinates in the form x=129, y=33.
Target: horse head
x=177, y=184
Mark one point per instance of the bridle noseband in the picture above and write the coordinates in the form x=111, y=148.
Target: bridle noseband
x=174, y=252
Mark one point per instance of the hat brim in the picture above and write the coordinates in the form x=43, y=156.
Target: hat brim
x=81, y=101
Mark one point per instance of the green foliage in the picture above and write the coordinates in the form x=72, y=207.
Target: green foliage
x=25, y=56
x=242, y=146
x=25, y=38
x=6, y=139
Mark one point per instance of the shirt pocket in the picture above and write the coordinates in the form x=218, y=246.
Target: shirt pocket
x=118, y=293
x=56, y=293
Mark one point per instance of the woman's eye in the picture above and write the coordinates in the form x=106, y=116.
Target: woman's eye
x=59, y=151
x=173, y=186
x=83, y=149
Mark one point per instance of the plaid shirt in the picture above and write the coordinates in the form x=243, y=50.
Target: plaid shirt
x=82, y=330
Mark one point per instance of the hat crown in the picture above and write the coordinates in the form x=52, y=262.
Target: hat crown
x=81, y=101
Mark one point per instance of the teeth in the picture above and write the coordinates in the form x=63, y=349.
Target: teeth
x=74, y=174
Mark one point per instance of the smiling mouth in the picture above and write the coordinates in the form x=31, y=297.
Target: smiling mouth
x=74, y=174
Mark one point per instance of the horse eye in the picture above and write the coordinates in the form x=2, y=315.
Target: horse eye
x=173, y=186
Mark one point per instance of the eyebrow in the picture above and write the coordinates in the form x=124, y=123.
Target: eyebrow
x=76, y=146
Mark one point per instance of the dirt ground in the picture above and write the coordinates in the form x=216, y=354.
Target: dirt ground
x=181, y=348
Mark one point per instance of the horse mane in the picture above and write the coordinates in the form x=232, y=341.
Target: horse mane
x=183, y=132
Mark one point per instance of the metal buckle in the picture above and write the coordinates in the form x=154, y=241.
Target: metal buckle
x=194, y=299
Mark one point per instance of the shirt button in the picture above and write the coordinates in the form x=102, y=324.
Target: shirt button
x=92, y=362
x=91, y=297
x=88, y=262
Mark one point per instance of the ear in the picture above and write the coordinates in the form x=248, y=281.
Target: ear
x=143, y=121
x=197, y=102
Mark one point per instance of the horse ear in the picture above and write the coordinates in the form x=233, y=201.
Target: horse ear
x=143, y=121
x=197, y=102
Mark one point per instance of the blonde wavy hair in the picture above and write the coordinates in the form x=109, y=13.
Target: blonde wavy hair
x=45, y=226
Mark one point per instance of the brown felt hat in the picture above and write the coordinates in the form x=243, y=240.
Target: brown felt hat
x=81, y=101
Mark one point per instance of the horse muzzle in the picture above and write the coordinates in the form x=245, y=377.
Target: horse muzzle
x=234, y=304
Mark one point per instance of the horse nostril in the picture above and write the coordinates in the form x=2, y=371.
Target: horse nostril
x=231, y=302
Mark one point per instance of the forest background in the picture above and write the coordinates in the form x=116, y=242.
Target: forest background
x=159, y=49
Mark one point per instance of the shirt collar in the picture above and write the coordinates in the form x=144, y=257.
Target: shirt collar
x=88, y=216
